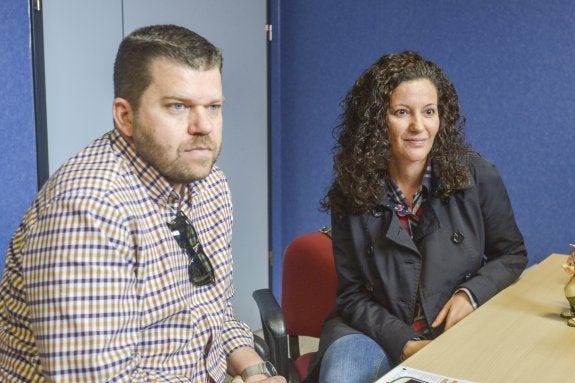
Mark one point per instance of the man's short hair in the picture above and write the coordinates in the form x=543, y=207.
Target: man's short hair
x=132, y=74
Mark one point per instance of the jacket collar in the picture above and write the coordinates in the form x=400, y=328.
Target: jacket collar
x=395, y=232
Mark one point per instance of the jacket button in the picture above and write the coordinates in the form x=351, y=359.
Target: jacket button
x=370, y=251
x=457, y=237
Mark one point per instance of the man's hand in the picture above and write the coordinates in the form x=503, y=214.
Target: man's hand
x=244, y=357
x=457, y=307
x=265, y=379
x=261, y=379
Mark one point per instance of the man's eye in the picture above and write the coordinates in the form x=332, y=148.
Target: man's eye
x=177, y=107
x=215, y=107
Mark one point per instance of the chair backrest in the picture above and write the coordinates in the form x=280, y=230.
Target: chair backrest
x=309, y=283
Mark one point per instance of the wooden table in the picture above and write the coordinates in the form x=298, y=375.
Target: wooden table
x=517, y=336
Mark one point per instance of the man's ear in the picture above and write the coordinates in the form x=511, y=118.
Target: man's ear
x=123, y=117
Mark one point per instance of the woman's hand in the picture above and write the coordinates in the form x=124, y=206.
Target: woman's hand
x=413, y=346
x=457, y=307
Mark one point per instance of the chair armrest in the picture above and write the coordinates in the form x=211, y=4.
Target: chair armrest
x=270, y=312
x=274, y=329
x=261, y=347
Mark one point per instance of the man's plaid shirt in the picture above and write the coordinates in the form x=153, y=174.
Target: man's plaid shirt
x=96, y=289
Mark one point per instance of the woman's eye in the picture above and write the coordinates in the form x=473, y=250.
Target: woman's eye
x=400, y=112
x=430, y=112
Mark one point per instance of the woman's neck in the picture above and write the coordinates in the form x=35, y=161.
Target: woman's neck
x=408, y=177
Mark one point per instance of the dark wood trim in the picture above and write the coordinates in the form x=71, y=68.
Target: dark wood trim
x=39, y=82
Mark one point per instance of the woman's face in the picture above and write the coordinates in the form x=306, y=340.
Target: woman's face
x=412, y=121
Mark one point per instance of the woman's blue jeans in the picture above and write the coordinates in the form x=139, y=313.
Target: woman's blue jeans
x=353, y=358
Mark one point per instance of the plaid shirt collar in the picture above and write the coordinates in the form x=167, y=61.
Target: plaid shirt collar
x=158, y=187
x=400, y=203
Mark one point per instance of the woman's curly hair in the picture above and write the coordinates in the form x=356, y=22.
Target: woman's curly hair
x=363, y=150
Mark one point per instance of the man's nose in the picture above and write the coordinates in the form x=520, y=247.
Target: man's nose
x=199, y=121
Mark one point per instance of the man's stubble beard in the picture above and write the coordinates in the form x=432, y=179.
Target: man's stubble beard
x=175, y=171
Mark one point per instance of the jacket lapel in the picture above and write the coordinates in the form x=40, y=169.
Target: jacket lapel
x=428, y=223
x=395, y=232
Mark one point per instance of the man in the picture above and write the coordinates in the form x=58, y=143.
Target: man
x=121, y=270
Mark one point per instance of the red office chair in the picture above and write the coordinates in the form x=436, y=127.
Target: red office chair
x=308, y=296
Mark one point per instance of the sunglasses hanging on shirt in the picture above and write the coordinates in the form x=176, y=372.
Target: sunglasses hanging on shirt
x=200, y=269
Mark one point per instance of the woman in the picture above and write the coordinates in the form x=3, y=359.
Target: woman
x=423, y=229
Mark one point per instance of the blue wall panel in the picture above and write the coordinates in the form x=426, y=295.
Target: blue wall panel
x=511, y=61
x=18, y=144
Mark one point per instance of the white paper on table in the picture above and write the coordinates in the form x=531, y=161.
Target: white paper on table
x=402, y=374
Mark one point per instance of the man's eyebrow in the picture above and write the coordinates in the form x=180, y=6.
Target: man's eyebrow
x=188, y=100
